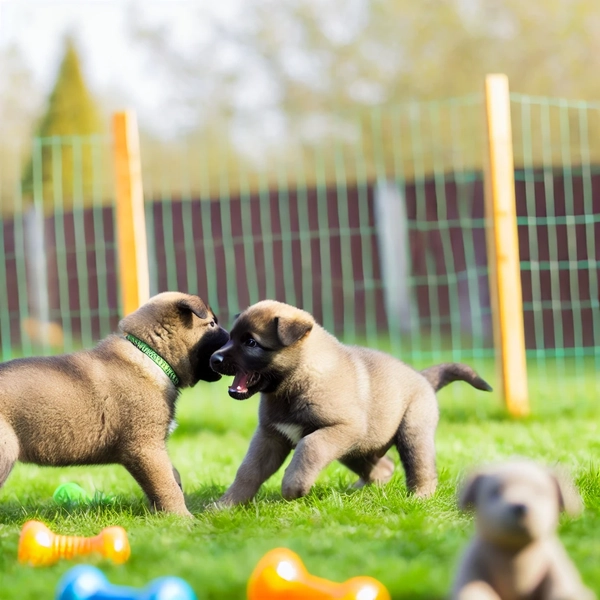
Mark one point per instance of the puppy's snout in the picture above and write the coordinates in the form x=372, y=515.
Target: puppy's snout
x=519, y=510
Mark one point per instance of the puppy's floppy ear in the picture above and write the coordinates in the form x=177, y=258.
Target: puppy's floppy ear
x=194, y=305
x=467, y=494
x=569, y=499
x=292, y=328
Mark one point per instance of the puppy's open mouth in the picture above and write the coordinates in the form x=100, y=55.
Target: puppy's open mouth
x=240, y=389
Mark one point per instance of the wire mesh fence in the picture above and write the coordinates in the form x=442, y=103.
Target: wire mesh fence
x=378, y=230
x=57, y=273
x=375, y=225
x=558, y=215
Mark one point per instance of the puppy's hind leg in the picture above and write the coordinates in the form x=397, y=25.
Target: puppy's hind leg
x=415, y=441
x=371, y=469
x=9, y=450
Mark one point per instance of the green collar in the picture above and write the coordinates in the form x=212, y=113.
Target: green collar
x=157, y=358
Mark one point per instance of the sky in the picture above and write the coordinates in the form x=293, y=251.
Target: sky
x=113, y=64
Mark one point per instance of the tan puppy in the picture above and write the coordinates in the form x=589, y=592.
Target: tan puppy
x=114, y=403
x=516, y=554
x=330, y=402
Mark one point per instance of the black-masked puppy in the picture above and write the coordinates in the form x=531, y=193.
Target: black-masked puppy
x=516, y=554
x=114, y=403
x=330, y=402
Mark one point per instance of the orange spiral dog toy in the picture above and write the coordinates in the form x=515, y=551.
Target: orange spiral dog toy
x=281, y=575
x=39, y=547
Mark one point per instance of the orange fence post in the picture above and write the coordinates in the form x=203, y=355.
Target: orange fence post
x=131, y=221
x=503, y=249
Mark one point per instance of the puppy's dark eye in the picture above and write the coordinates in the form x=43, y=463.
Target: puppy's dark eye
x=212, y=324
x=247, y=340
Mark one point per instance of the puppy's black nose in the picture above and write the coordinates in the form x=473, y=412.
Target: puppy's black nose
x=216, y=359
x=519, y=510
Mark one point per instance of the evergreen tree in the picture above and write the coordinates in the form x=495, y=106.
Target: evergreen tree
x=66, y=168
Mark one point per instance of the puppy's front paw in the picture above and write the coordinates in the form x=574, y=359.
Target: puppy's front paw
x=173, y=508
x=425, y=489
x=180, y=512
x=228, y=500
x=291, y=490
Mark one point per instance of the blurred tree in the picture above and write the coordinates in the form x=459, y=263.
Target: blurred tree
x=60, y=167
x=18, y=96
x=311, y=54
x=19, y=104
x=311, y=71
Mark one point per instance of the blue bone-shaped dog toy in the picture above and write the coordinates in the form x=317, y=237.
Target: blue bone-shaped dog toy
x=88, y=583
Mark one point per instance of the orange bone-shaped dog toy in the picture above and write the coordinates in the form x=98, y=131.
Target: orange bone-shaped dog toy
x=281, y=575
x=39, y=547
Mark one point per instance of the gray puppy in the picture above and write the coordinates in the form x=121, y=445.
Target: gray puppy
x=516, y=554
x=330, y=402
x=114, y=403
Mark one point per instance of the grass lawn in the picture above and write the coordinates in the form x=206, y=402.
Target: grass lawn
x=412, y=546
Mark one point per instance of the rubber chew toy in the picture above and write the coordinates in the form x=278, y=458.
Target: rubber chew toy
x=88, y=583
x=39, y=547
x=281, y=575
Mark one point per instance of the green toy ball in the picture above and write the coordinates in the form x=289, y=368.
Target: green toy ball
x=70, y=493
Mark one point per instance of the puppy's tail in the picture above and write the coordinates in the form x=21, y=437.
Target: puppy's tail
x=440, y=376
